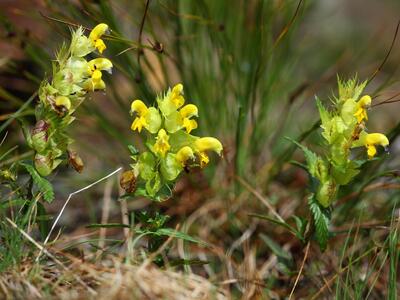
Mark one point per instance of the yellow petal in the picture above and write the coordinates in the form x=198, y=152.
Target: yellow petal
x=98, y=31
x=138, y=124
x=99, y=45
x=96, y=76
x=139, y=107
x=376, y=139
x=184, y=154
x=204, y=159
x=63, y=101
x=176, y=95
x=371, y=150
x=177, y=89
x=92, y=85
x=361, y=108
x=189, y=124
x=365, y=101
x=162, y=146
x=208, y=143
x=188, y=111
x=102, y=64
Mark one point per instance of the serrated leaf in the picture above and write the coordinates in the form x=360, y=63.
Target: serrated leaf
x=321, y=218
x=315, y=164
x=42, y=184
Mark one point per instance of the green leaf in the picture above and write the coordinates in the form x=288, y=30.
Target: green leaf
x=181, y=139
x=276, y=248
x=153, y=185
x=170, y=168
x=277, y=222
x=321, y=218
x=317, y=167
x=323, y=113
x=133, y=150
x=188, y=262
x=42, y=184
x=108, y=225
x=147, y=163
x=301, y=224
x=179, y=235
x=153, y=118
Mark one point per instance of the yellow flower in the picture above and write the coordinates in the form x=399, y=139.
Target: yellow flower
x=162, y=146
x=186, y=113
x=204, y=144
x=95, y=66
x=141, y=109
x=373, y=139
x=184, y=154
x=176, y=95
x=361, y=108
x=95, y=37
x=148, y=118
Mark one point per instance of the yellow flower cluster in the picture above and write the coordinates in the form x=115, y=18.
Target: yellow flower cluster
x=73, y=77
x=346, y=127
x=168, y=121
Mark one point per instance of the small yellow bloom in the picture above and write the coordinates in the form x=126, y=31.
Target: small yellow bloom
x=95, y=66
x=373, y=139
x=176, y=95
x=204, y=144
x=95, y=37
x=162, y=146
x=186, y=113
x=141, y=109
x=184, y=154
x=148, y=118
x=63, y=101
x=361, y=108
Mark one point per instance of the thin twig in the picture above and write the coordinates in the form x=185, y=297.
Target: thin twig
x=51, y=256
x=124, y=210
x=104, y=216
x=141, y=30
x=387, y=54
x=301, y=269
x=66, y=203
x=287, y=27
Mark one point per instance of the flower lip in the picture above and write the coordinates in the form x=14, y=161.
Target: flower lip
x=139, y=107
x=208, y=143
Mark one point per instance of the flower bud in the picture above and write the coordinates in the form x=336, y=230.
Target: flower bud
x=40, y=136
x=128, y=181
x=75, y=161
x=43, y=164
x=326, y=193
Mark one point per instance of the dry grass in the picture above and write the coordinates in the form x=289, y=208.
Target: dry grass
x=118, y=281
